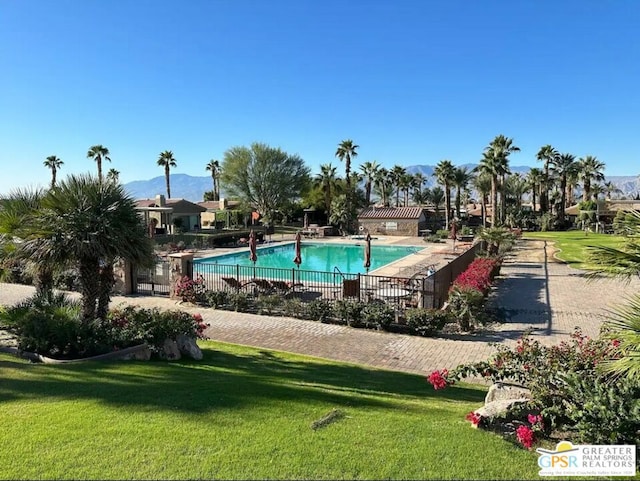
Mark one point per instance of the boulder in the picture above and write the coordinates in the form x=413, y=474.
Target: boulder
x=170, y=350
x=501, y=409
x=143, y=354
x=501, y=391
x=188, y=347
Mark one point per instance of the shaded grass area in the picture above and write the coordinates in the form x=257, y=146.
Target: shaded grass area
x=241, y=413
x=574, y=245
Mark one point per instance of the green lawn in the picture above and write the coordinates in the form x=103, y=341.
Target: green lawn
x=573, y=245
x=241, y=413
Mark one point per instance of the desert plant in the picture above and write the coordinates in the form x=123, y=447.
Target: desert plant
x=426, y=322
x=319, y=310
x=466, y=306
x=349, y=312
x=378, y=315
x=268, y=303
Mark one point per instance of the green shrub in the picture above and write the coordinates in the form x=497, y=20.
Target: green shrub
x=319, y=310
x=349, y=312
x=377, y=315
x=466, y=307
x=47, y=324
x=442, y=233
x=67, y=280
x=216, y=299
x=268, y=303
x=293, y=308
x=239, y=301
x=432, y=238
x=426, y=322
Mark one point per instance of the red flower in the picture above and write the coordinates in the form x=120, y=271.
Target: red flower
x=438, y=379
x=525, y=436
x=615, y=342
x=533, y=419
x=474, y=418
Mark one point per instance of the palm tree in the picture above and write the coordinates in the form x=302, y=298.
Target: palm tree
x=396, y=174
x=445, y=172
x=99, y=153
x=563, y=167
x=327, y=181
x=113, y=176
x=369, y=170
x=548, y=155
x=495, y=162
x=418, y=182
x=346, y=151
x=623, y=326
x=17, y=213
x=436, y=197
x=483, y=184
x=383, y=185
x=589, y=170
x=54, y=164
x=534, y=178
x=167, y=161
x=214, y=167
x=611, y=188
x=405, y=183
x=461, y=178
x=89, y=224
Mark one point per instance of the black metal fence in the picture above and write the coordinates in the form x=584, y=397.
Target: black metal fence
x=420, y=290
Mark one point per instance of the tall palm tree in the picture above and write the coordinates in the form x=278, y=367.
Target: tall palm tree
x=483, y=184
x=405, y=183
x=383, y=186
x=89, y=224
x=548, y=155
x=418, y=182
x=167, y=161
x=501, y=148
x=396, y=173
x=563, y=167
x=346, y=151
x=214, y=167
x=99, y=153
x=445, y=172
x=327, y=181
x=436, y=197
x=590, y=169
x=113, y=176
x=54, y=163
x=461, y=178
x=534, y=178
x=369, y=170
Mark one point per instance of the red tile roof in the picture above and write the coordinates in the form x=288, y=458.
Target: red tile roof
x=391, y=213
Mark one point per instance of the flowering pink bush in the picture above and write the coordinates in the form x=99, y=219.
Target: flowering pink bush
x=438, y=379
x=525, y=436
x=474, y=418
x=478, y=275
x=190, y=290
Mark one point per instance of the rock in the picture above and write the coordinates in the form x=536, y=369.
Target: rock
x=188, y=347
x=170, y=350
x=501, y=391
x=499, y=408
x=139, y=355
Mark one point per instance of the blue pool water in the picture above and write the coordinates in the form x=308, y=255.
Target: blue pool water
x=316, y=257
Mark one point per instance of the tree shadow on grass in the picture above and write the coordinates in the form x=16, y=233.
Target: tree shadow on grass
x=226, y=379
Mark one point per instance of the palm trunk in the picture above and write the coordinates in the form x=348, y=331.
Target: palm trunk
x=99, y=162
x=484, y=210
x=447, y=206
x=44, y=281
x=166, y=177
x=587, y=189
x=563, y=198
x=458, y=203
x=89, y=280
x=533, y=193
x=368, y=193
x=107, y=281
x=494, y=199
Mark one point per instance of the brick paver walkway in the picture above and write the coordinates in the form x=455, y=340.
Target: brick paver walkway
x=535, y=291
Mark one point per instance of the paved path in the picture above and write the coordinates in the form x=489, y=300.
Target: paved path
x=536, y=291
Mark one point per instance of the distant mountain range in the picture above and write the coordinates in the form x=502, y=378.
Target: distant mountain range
x=193, y=187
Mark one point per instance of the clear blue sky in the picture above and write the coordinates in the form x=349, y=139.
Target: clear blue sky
x=411, y=82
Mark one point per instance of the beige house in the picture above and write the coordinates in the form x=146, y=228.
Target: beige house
x=400, y=221
x=218, y=212
x=170, y=214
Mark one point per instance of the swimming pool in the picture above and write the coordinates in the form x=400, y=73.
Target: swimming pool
x=348, y=258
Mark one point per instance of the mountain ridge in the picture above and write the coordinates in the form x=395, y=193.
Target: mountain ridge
x=193, y=188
